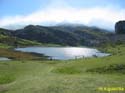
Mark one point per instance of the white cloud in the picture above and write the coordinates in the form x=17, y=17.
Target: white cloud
x=101, y=17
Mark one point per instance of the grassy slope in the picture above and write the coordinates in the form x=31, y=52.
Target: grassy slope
x=17, y=55
x=63, y=77
x=8, y=41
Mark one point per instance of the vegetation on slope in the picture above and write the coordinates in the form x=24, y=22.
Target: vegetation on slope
x=60, y=35
x=71, y=76
x=13, y=41
x=17, y=55
x=8, y=42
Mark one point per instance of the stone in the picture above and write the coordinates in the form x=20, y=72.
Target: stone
x=120, y=27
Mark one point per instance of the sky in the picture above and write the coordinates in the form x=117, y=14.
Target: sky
x=15, y=14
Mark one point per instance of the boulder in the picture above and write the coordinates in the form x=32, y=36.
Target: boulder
x=120, y=27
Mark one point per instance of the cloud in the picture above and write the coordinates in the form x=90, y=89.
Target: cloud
x=98, y=16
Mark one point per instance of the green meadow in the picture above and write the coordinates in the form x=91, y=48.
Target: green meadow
x=68, y=76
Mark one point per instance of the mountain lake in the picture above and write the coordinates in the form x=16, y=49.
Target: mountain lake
x=65, y=53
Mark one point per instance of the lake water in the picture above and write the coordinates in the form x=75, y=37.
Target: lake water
x=4, y=59
x=64, y=53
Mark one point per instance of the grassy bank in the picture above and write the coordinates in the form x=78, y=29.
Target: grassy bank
x=72, y=76
x=17, y=55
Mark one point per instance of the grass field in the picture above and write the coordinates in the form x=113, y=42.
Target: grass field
x=71, y=76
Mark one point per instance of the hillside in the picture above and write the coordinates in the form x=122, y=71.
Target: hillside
x=8, y=42
x=63, y=34
x=7, y=39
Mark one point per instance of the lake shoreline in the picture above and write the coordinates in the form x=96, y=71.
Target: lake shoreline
x=63, y=53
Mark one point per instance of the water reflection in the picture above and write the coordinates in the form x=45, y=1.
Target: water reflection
x=64, y=52
x=4, y=59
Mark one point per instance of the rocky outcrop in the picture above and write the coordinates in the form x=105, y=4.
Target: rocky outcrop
x=120, y=27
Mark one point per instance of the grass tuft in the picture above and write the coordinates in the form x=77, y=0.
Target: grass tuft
x=115, y=68
x=67, y=70
x=4, y=79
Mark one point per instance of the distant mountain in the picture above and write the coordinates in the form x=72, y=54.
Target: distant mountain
x=47, y=35
x=7, y=38
x=64, y=34
x=67, y=34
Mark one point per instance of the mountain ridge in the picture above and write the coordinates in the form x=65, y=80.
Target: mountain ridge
x=68, y=34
